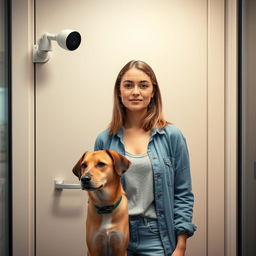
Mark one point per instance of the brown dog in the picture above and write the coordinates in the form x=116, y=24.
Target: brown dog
x=107, y=230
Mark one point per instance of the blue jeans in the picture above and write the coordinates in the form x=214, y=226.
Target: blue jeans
x=144, y=237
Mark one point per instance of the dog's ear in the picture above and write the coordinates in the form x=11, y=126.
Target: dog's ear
x=77, y=168
x=121, y=164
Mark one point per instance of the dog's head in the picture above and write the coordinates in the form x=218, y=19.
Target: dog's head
x=96, y=169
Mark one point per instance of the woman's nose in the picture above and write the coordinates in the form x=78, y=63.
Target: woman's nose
x=136, y=90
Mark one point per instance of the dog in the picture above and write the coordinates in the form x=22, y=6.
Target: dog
x=107, y=228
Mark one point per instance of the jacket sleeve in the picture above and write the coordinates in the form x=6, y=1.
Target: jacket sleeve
x=183, y=196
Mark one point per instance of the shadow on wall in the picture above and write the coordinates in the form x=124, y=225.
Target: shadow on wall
x=60, y=210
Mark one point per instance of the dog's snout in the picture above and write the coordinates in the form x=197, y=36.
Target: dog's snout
x=86, y=178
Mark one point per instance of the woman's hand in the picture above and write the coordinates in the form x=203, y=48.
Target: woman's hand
x=178, y=252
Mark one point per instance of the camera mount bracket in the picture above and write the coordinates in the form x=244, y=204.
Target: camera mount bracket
x=67, y=39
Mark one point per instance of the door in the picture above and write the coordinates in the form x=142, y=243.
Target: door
x=74, y=96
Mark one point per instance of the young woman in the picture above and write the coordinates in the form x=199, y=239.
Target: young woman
x=158, y=183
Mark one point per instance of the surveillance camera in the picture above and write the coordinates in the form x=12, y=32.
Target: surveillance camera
x=67, y=39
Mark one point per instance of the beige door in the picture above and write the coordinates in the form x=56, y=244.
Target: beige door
x=74, y=99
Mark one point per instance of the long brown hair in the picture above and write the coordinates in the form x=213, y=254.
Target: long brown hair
x=154, y=116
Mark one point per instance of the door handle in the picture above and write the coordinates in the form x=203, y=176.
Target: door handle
x=60, y=185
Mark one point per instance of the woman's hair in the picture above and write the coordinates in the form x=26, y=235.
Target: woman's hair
x=154, y=116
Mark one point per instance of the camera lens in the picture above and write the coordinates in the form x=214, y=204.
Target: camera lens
x=73, y=41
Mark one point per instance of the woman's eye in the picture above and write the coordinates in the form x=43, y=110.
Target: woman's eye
x=128, y=86
x=83, y=165
x=143, y=86
x=100, y=164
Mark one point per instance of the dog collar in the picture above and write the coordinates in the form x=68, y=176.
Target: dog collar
x=108, y=208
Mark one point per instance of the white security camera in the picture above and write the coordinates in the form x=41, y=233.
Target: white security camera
x=67, y=39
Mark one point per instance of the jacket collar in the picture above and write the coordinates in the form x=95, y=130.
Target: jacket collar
x=120, y=133
x=154, y=131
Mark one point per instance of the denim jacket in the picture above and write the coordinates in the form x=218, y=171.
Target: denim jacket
x=168, y=153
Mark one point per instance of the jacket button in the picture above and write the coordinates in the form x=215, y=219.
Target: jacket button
x=158, y=175
x=161, y=214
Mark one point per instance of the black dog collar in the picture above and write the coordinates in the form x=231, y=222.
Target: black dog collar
x=108, y=208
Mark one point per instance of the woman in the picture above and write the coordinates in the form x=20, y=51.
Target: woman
x=158, y=183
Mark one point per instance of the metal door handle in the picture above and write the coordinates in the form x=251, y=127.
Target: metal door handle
x=59, y=185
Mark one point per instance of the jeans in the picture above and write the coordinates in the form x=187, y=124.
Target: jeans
x=144, y=237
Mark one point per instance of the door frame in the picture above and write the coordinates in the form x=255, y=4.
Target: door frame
x=23, y=164
x=221, y=127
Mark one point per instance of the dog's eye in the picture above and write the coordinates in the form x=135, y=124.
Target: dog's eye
x=101, y=164
x=83, y=165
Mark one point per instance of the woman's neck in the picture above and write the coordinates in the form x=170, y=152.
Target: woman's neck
x=133, y=119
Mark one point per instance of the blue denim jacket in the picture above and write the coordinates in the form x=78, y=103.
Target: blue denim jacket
x=168, y=153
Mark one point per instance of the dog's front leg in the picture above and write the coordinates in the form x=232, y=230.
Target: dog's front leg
x=116, y=243
x=100, y=244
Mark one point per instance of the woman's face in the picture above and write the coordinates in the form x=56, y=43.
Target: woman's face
x=136, y=90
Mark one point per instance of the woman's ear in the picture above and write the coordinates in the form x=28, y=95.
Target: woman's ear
x=154, y=91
